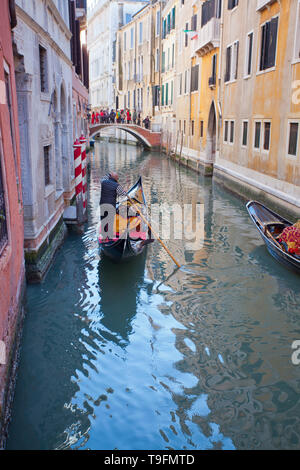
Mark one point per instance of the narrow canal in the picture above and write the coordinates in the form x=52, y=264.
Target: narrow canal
x=121, y=357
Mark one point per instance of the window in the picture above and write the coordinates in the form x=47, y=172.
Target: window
x=186, y=38
x=267, y=136
x=140, y=32
x=157, y=61
x=226, y=131
x=193, y=127
x=293, y=138
x=297, y=31
x=249, y=53
x=43, y=69
x=208, y=11
x=127, y=18
x=173, y=55
x=164, y=32
x=3, y=222
x=10, y=110
x=163, y=65
x=232, y=4
x=232, y=54
x=194, y=78
x=155, y=95
x=158, y=23
x=231, y=132
x=180, y=84
x=213, y=79
x=128, y=99
x=167, y=95
x=268, y=44
x=172, y=92
x=194, y=23
x=201, y=128
x=47, y=165
x=245, y=134
x=163, y=95
x=257, y=135
x=184, y=127
x=173, y=18
x=131, y=38
x=124, y=41
x=186, y=82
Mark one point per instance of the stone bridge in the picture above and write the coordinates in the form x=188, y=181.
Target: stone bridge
x=146, y=137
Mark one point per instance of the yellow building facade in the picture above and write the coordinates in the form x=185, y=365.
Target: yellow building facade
x=259, y=140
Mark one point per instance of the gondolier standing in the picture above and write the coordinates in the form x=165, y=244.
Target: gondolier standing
x=110, y=190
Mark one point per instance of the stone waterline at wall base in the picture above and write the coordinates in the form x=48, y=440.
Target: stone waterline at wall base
x=8, y=374
x=38, y=262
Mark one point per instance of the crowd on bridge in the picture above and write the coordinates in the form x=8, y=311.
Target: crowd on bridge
x=124, y=116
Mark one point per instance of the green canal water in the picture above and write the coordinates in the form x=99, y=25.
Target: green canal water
x=126, y=357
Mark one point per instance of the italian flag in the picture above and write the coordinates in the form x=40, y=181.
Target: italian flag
x=191, y=34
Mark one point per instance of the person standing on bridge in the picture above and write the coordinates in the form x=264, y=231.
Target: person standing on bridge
x=93, y=118
x=128, y=117
x=134, y=116
x=112, y=116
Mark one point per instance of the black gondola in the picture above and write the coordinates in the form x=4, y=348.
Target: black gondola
x=132, y=240
x=270, y=225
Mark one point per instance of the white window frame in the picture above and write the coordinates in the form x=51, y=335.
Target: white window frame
x=292, y=121
x=233, y=62
x=271, y=69
x=246, y=74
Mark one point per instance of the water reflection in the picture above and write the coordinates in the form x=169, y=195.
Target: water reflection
x=120, y=290
x=138, y=356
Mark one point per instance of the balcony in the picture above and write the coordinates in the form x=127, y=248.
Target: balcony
x=208, y=38
x=261, y=4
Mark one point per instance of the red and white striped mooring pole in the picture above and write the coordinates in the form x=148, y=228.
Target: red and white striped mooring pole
x=78, y=180
x=84, y=174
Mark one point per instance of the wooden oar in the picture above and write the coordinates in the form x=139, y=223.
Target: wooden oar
x=153, y=231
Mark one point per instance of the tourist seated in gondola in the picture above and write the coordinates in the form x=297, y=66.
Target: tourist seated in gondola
x=290, y=239
x=110, y=191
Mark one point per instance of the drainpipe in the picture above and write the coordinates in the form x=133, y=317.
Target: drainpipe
x=220, y=71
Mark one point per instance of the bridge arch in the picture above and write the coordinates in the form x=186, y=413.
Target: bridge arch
x=143, y=136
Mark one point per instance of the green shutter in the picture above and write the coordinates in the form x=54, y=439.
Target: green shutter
x=163, y=95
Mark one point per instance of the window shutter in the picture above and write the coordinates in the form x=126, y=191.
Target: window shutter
x=263, y=47
x=272, y=42
x=237, y=60
x=228, y=64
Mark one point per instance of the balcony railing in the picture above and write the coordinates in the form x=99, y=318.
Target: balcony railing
x=208, y=38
